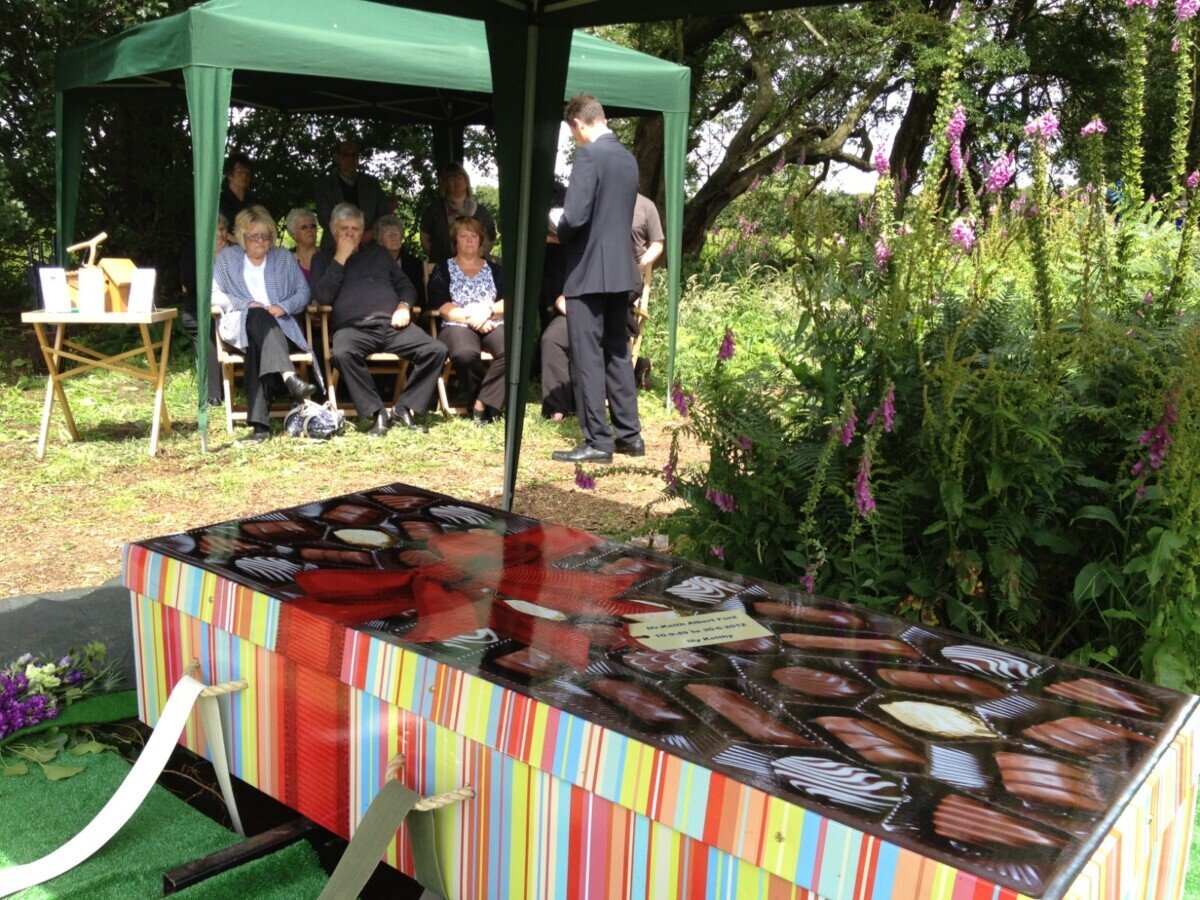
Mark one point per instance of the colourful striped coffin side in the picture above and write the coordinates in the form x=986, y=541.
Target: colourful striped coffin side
x=327, y=707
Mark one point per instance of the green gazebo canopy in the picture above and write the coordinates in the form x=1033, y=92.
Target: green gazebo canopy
x=370, y=60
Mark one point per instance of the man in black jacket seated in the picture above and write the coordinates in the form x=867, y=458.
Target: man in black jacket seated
x=372, y=302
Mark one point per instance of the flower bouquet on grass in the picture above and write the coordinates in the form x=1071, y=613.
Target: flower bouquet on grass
x=38, y=715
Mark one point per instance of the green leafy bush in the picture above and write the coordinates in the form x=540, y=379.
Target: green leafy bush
x=982, y=414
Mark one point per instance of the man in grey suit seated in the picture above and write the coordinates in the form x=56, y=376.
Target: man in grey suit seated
x=372, y=302
x=598, y=255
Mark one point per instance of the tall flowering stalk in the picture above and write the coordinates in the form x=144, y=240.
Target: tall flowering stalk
x=1041, y=130
x=1184, y=262
x=885, y=210
x=1096, y=232
x=1137, y=23
x=1185, y=11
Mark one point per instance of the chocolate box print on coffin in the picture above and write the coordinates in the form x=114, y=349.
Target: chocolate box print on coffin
x=1006, y=768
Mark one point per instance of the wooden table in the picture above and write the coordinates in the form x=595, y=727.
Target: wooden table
x=58, y=349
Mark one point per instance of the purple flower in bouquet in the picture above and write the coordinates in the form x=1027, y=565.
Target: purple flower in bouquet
x=1186, y=9
x=1000, y=173
x=1044, y=127
x=717, y=550
x=683, y=402
x=723, y=501
x=882, y=253
x=728, y=345
x=1096, y=126
x=963, y=234
x=882, y=166
x=862, y=487
x=846, y=432
x=583, y=480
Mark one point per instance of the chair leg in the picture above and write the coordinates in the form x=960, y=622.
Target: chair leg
x=227, y=377
x=443, y=398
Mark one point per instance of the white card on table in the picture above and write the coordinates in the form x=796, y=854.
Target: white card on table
x=54, y=289
x=141, y=290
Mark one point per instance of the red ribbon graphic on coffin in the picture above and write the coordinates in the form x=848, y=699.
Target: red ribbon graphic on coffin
x=450, y=592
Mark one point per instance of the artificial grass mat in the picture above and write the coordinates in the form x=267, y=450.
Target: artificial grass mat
x=37, y=816
x=98, y=710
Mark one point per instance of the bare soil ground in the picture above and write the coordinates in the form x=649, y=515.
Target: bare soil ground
x=67, y=517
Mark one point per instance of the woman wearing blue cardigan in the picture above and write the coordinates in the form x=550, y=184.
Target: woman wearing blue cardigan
x=260, y=290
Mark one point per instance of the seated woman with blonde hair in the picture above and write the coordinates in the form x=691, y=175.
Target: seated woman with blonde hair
x=260, y=291
x=465, y=291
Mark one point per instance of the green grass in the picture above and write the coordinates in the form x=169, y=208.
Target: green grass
x=37, y=816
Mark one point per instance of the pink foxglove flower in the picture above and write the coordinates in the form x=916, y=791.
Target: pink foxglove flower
x=683, y=402
x=1186, y=9
x=1044, y=126
x=584, y=481
x=728, y=345
x=745, y=443
x=1096, y=126
x=882, y=253
x=1000, y=174
x=882, y=167
x=963, y=234
x=1193, y=180
x=862, y=487
x=846, y=432
x=717, y=550
x=954, y=133
x=722, y=501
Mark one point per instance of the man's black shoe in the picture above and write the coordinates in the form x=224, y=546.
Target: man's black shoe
x=584, y=453
x=299, y=389
x=633, y=446
x=382, y=424
x=403, y=417
x=258, y=435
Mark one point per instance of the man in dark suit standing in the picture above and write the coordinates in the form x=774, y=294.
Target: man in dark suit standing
x=598, y=255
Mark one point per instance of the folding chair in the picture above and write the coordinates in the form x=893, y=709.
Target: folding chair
x=377, y=363
x=233, y=363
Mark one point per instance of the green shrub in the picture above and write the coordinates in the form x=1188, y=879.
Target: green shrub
x=983, y=415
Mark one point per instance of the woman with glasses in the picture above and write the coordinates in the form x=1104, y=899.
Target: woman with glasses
x=260, y=290
x=301, y=224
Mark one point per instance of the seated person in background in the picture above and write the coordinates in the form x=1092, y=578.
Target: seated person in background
x=345, y=184
x=372, y=302
x=456, y=202
x=235, y=193
x=187, y=308
x=260, y=290
x=301, y=224
x=558, y=391
x=389, y=234
x=465, y=290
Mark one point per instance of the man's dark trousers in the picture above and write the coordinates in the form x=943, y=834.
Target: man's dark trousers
x=351, y=345
x=600, y=364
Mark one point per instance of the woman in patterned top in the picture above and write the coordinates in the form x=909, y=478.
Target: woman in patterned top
x=465, y=291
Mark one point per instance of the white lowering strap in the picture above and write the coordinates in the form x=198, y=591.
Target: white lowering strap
x=137, y=783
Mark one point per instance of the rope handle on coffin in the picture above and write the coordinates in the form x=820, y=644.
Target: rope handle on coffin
x=392, y=806
x=437, y=801
x=188, y=693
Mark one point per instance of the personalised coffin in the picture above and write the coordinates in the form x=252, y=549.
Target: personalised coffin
x=641, y=726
